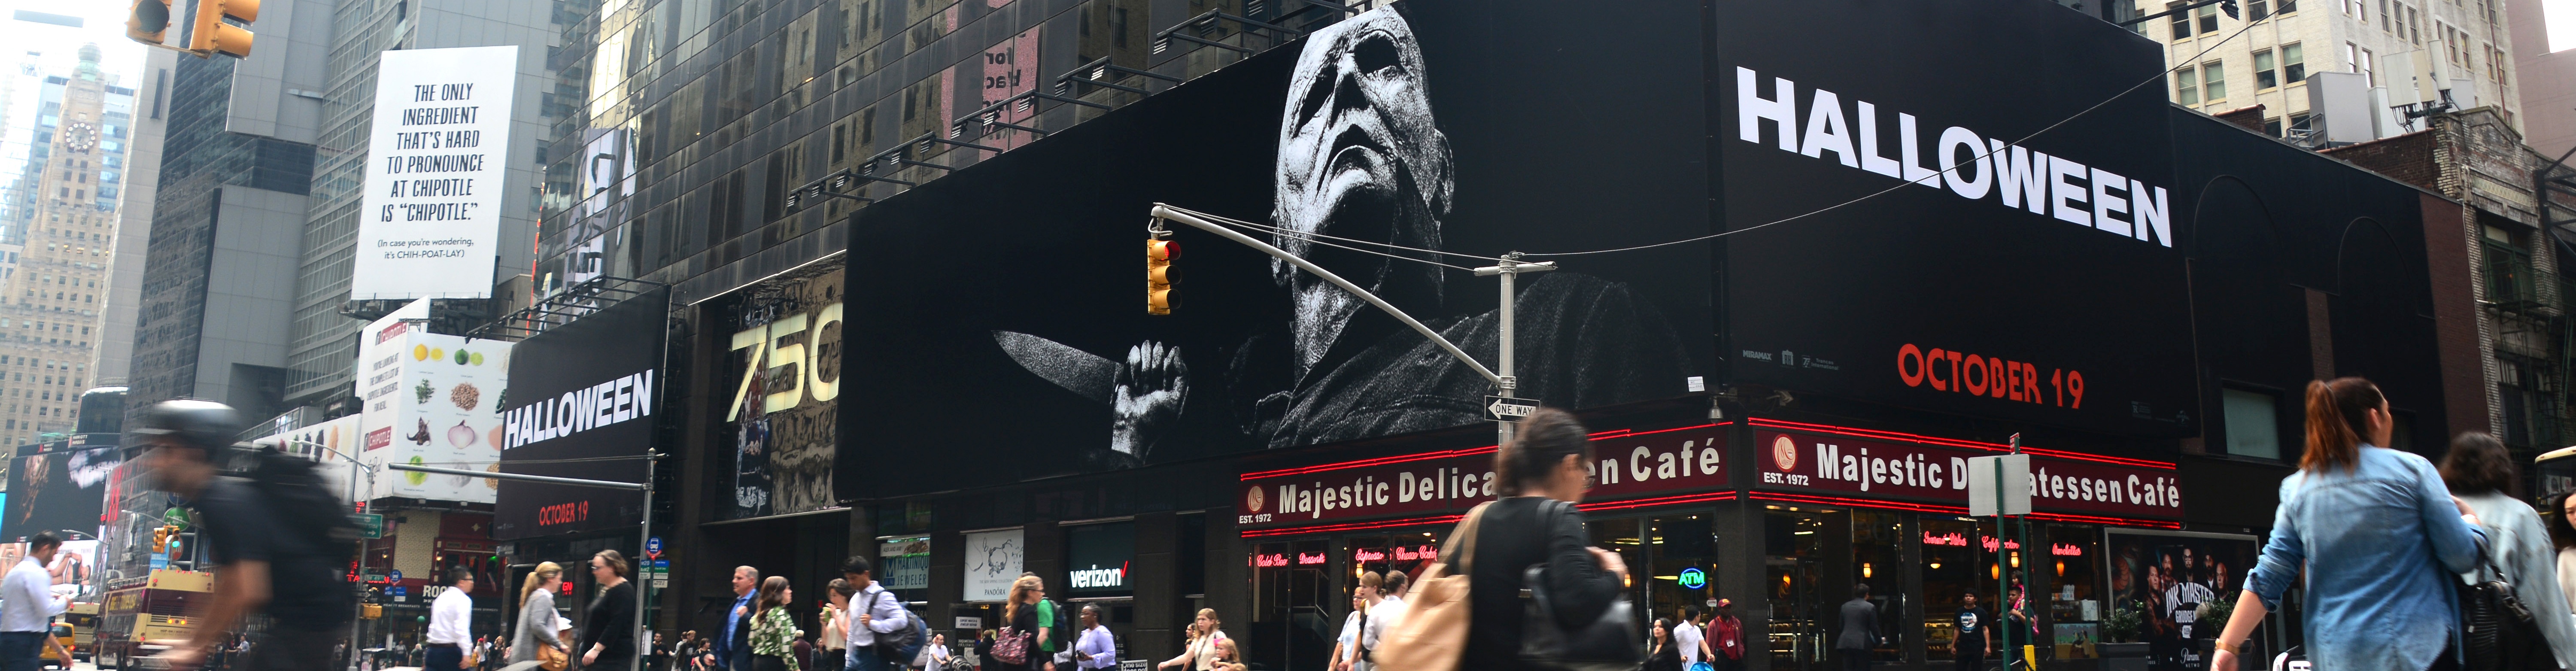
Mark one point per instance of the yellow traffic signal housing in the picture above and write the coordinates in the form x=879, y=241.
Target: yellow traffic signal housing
x=213, y=35
x=150, y=20
x=1160, y=275
x=161, y=538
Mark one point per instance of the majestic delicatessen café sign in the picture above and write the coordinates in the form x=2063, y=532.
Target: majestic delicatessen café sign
x=1628, y=466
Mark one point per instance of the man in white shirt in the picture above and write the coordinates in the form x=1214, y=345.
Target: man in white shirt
x=1385, y=616
x=1686, y=636
x=28, y=605
x=876, y=616
x=451, y=618
x=1097, y=649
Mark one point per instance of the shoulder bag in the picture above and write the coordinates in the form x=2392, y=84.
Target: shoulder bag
x=1012, y=646
x=1607, y=643
x=2497, y=629
x=1433, y=635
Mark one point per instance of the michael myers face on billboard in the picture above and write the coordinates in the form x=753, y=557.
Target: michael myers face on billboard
x=1432, y=127
x=2035, y=280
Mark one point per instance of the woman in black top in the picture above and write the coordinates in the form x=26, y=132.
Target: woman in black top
x=608, y=634
x=1542, y=467
x=1022, y=612
x=1663, y=656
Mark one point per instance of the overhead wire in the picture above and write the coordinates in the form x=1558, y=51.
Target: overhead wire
x=2160, y=76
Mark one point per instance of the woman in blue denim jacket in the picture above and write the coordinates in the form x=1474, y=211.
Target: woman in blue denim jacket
x=2382, y=540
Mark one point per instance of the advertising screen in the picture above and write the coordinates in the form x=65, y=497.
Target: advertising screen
x=1006, y=338
x=1996, y=245
x=583, y=406
x=59, y=486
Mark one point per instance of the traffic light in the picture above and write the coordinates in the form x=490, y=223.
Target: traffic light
x=1159, y=273
x=213, y=35
x=161, y=538
x=151, y=18
x=2228, y=6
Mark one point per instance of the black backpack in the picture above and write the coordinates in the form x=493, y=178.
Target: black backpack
x=305, y=508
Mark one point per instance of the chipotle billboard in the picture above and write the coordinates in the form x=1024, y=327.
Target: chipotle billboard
x=1625, y=465
x=2060, y=482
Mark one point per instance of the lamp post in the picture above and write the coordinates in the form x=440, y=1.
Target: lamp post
x=356, y=606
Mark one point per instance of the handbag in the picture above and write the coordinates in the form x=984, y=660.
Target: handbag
x=552, y=658
x=1012, y=647
x=1607, y=643
x=1433, y=635
x=2498, y=631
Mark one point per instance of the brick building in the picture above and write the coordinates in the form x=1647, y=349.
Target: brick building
x=2519, y=323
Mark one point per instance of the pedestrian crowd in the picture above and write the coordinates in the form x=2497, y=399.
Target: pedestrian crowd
x=2393, y=553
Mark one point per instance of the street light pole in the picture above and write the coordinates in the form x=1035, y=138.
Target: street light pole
x=357, y=607
x=1506, y=271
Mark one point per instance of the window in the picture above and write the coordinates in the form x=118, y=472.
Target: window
x=2267, y=76
x=2253, y=423
x=2181, y=19
x=2213, y=81
x=2272, y=126
x=2257, y=10
x=2361, y=62
x=2208, y=19
x=2386, y=25
x=2508, y=266
x=2187, y=86
x=2495, y=24
x=2495, y=65
x=2455, y=45
x=2414, y=27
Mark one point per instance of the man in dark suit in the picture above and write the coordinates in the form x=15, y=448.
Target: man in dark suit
x=1860, y=630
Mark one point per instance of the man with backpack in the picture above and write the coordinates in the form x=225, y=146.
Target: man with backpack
x=883, y=636
x=274, y=538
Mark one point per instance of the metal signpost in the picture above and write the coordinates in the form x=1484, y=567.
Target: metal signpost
x=651, y=545
x=2000, y=486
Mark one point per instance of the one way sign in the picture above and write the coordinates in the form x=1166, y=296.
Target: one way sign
x=1505, y=408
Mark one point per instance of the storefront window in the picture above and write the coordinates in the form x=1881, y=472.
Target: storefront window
x=1408, y=553
x=1955, y=564
x=1289, y=614
x=1875, y=535
x=1625, y=536
x=1685, y=551
x=2075, y=607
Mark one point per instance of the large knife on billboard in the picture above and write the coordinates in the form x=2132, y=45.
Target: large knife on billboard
x=1144, y=395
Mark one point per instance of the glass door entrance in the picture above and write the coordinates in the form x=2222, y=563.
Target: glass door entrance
x=1794, y=570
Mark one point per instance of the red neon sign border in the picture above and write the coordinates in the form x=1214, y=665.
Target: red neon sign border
x=1443, y=454
x=1958, y=511
x=1952, y=442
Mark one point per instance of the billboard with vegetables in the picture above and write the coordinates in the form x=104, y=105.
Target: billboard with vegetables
x=433, y=400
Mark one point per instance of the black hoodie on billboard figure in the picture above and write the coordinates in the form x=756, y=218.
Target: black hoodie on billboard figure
x=1361, y=156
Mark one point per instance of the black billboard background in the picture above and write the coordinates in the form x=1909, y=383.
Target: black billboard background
x=59, y=485
x=1570, y=130
x=1848, y=288
x=622, y=339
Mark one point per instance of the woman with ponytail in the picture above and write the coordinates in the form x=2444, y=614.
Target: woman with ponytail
x=536, y=625
x=2381, y=540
